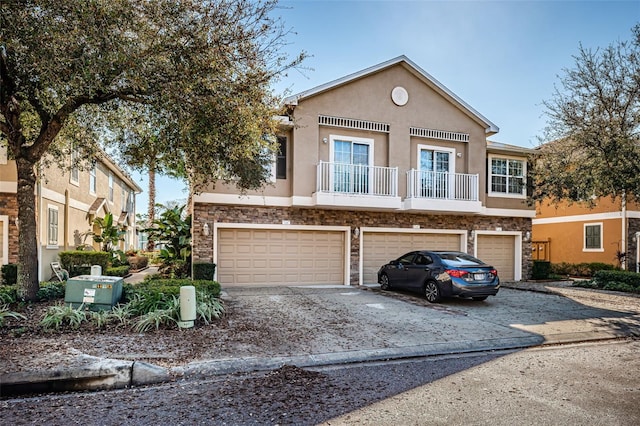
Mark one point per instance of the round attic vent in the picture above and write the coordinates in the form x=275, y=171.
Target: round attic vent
x=399, y=96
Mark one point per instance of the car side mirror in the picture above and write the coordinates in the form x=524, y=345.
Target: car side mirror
x=394, y=263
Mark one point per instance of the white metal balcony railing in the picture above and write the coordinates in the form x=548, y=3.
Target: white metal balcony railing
x=357, y=179
x=442, y=185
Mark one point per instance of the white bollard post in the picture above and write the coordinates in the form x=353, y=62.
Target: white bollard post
x=96, y=270
x=187, y=306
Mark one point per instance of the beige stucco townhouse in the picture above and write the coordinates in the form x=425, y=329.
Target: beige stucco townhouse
x=371, y=165
x=67, y=202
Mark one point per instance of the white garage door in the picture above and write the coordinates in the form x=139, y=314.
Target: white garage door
x=498, y=251
x=381, y=247
x=272, y=257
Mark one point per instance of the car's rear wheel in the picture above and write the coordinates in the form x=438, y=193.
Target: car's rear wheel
x=480, y=298
x=432, y=292
x=384, y=282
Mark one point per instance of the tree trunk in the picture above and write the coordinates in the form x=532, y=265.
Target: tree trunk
x=28, y=283
x=151, y=212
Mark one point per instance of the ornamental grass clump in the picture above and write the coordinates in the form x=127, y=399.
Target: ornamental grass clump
x=61, y=315
x=158, y=317
x=6, y=313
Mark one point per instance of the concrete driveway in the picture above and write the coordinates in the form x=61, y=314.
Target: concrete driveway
x=346, y=324
x=312, y=326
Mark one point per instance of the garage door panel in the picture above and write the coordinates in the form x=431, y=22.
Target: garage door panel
x=280, y=257
x=499, y=252
x=381, y=247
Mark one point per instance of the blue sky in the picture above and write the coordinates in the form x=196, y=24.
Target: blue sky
x=501, y=57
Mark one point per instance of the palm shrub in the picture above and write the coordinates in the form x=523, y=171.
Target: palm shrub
x=173, y=232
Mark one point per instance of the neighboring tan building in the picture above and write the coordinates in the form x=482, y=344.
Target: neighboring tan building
x=371, y=166
x=67, y=202
x=578, y=233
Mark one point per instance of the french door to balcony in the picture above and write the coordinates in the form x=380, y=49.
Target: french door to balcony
x=351, y=172
x=434, y=171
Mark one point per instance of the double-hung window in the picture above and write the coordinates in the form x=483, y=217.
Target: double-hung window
x=111, y=187
x=93, y=171
x=507, y=177
x=593, y=237
x=75, y=167
x=52, y=231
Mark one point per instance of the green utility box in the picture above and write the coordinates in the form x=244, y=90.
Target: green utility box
x=96, y=292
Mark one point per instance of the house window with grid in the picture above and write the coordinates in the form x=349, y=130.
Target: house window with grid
x=52, y=232
x=507, y=177
x=593, y=237
x=110, y=187
x=92, y=179
x=75, y=169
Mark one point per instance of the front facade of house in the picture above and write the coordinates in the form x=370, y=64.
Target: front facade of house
x=605, y=232
x=67, y=202
x=371, y=166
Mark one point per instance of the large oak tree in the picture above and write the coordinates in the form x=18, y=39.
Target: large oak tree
x=593, y=128
x=199, y=71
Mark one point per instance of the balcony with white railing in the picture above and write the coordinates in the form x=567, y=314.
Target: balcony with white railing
x=357, y=185
x=442, y=191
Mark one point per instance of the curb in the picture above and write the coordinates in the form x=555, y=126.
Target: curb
x=92, y=374
x=109, y=374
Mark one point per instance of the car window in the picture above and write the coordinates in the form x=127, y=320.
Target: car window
x=457, y=259
x=407, y=259
x=423, y=260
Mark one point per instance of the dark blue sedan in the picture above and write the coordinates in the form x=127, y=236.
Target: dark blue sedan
x=438, y=274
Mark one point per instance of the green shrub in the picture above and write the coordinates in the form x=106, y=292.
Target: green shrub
x=51, y=290
x=614, y=286
x=79, y=262
x=203, y=270
x=160, y=296
x=541, y=270
x=117, y=271
x=8, y=294
x=9, y=274
x=580, y=269
x=631, y=279
x=171, y=286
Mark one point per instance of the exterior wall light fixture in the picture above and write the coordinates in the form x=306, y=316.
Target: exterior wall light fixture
x=205, y=230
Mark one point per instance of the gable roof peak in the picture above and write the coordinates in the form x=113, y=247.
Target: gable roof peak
x=490, y=128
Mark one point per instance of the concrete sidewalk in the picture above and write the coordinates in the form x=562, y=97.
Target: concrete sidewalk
x=339, y=324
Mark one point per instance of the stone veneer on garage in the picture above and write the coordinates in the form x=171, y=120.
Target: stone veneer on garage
x=210, y=213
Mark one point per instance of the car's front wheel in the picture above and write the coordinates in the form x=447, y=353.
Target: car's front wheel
x=432, y=292
x=384, y=282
